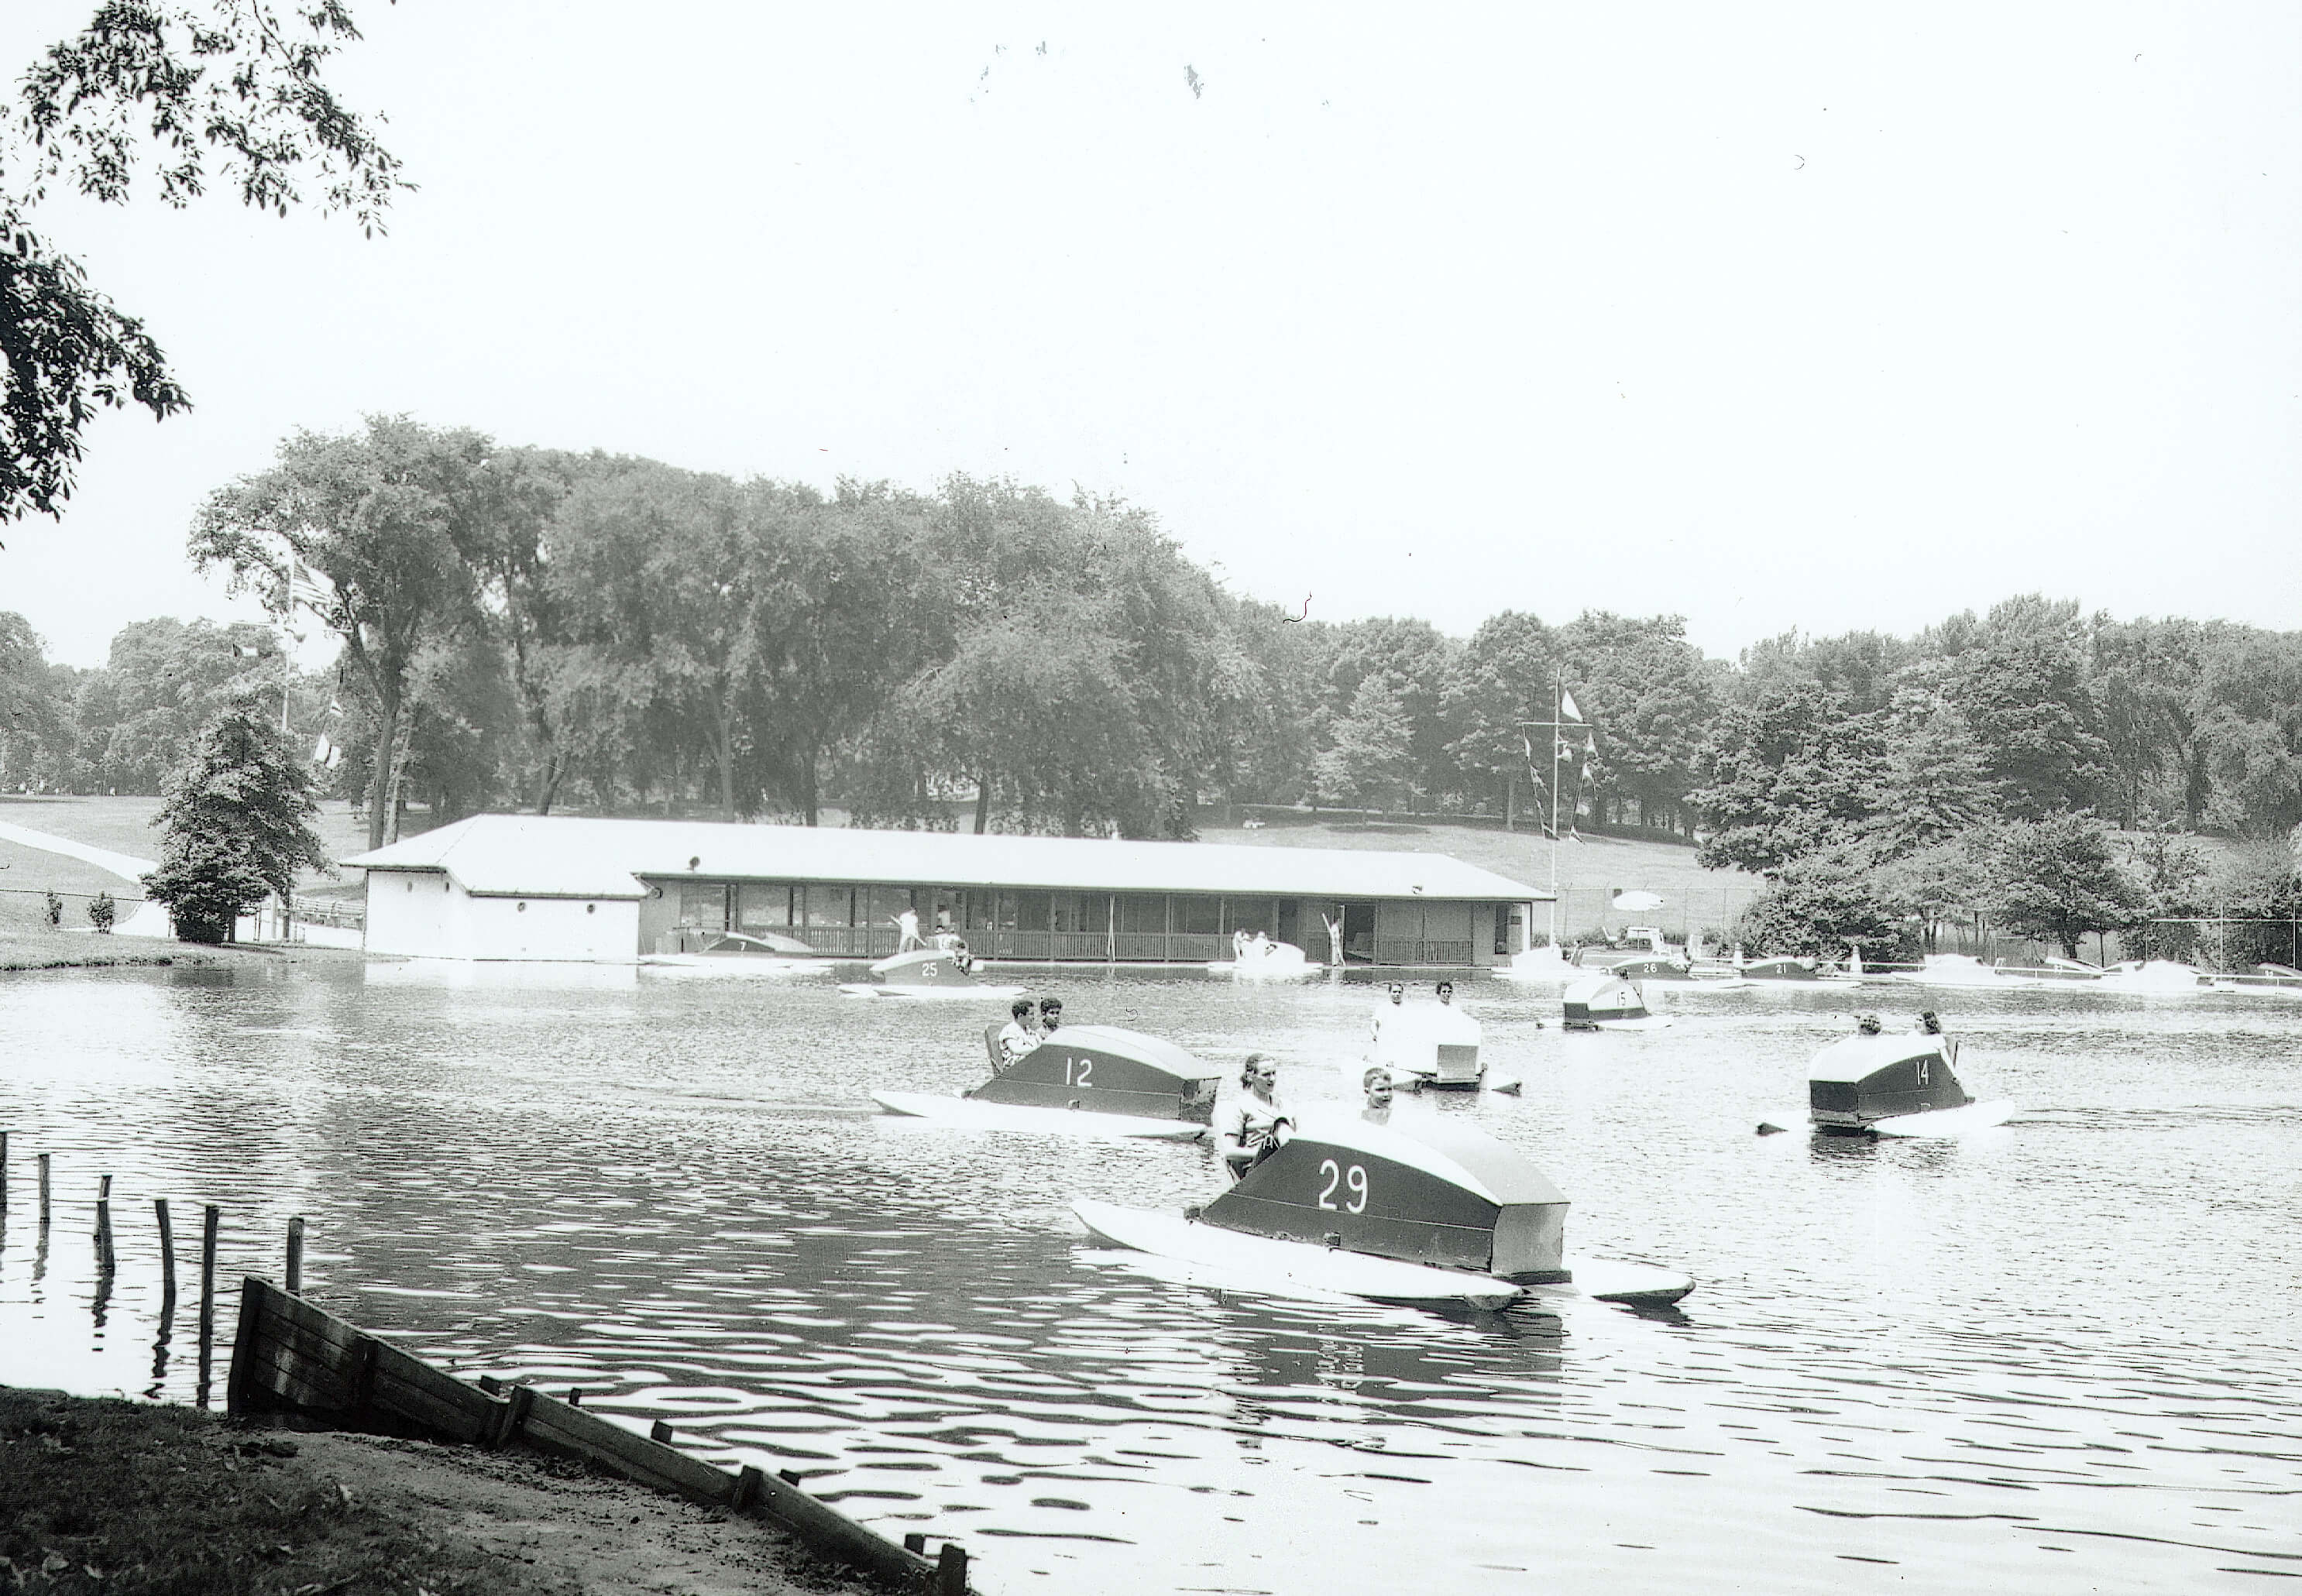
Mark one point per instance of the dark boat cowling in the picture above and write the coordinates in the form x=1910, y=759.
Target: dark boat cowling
x=1105, y=1069
x=1858, y=1081
x=1433, y=1193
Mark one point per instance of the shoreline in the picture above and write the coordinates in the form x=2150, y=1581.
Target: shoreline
x=102, y=1494
x=23, y=952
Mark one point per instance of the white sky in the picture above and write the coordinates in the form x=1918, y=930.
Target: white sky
x=1823, y=316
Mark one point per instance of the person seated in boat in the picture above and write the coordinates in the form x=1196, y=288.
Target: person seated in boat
x=1867, y=1025
x=1379, y=1089
x=1018, y=1037
x=1051, y=1016
x=1397, y=994
x=1258, y=1123
x=1929, y=1024
x=1447, y=993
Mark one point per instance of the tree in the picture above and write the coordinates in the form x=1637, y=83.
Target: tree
x=1373, y=753
x=2057, y=880
x=1831, y=899
x=1502, y=680
x=2024, y=683
x=1791, y=769
x=226, y=83
x=1649, y=691
x=834, y=627
x=35, y=723
x=385, y=517
x=1933, y=785
x=235, y=825
x=164, y=679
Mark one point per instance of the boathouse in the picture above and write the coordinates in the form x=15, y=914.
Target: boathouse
x=524, y=887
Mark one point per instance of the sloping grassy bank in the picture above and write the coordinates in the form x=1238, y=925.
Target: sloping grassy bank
x=119, y=1497
x=56, y=950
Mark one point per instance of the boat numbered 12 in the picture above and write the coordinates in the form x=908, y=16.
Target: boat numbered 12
x=1083, y=1080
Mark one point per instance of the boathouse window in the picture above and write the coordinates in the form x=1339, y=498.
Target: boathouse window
x=704, y=905
x=830, y=906
x=1030, y=911
x=887, y=904
x=1076, y=912
x=1196, y=916
x=982, y=908
x=1143, y=913
x=764, y=906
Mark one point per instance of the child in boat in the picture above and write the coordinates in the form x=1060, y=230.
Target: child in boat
x=1016, y=1037
x=1051, y=1016
x=1378, y=1085
x=1252, y=1132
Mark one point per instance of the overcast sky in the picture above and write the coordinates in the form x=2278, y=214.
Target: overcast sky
x=1768, y=316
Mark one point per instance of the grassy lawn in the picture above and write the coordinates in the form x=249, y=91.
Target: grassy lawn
x=124, y=826
x=1591, y=870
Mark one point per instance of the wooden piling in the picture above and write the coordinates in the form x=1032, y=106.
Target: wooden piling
x=167, y=1249
x=104, y=1259
x=296, y=1256
x=209, y=1219
x=951, y=1570
x=660, y=1431
x=3, y=1169
x=44, y=1189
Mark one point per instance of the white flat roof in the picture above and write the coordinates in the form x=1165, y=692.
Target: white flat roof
x=573, y=857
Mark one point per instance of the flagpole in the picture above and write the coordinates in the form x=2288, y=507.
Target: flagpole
x=1558, y=687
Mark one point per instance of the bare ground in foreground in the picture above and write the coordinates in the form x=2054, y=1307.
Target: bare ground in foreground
x=118, y=1496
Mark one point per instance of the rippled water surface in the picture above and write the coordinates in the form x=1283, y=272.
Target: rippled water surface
x=2063, y=1355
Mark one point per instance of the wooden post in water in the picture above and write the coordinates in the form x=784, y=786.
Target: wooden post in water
x=3, y=1169
x=208, y=1223
x=104, y=1225
x=660, y=1430
x=296, y=1256
x=44, y=1191
x=951, y=1570
x=167, y=1251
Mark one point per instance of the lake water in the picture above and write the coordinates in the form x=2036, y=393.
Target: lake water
x=2065, y=1356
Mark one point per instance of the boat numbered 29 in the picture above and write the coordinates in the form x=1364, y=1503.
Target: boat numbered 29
x=1421, y=1211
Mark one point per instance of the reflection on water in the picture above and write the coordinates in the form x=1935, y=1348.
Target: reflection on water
x=2061, y=1355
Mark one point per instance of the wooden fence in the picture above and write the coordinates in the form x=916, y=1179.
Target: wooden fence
x=291, y=1356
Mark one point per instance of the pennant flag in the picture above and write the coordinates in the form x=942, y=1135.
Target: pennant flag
x=1567, y=710
x=335, y=758
x=323, y=751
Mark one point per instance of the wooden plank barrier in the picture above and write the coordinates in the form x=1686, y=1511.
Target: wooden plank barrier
x=290, y=1355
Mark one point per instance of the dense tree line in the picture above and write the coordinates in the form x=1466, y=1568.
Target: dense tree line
x=2029, y=770
x=533, y=629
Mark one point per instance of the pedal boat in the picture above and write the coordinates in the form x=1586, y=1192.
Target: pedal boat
x=1606, y=1002
x=1894, y=1086
x=1096, y=1080
x=740, y=953
x=1429, y=1045
x=927, y=973
x=1959, y=970
x=1268, y=962
x=1424, y=1211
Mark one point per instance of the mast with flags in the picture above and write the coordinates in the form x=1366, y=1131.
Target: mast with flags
x=1572, y=737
